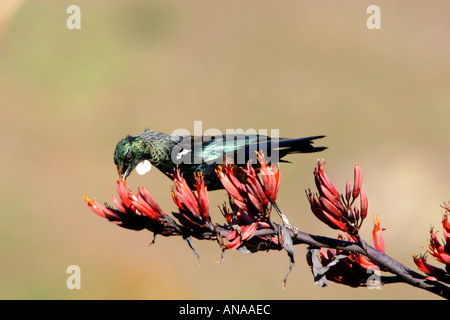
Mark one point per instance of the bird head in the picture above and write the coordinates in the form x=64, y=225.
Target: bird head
x=129, y=153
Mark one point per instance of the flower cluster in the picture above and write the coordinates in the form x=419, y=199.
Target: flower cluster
x=440, y=251
x=193, y=210
x=339, y=211
x=336, y=210
x=242, y=236
x=348, y=268
x=252, y=193
x=251, y=208
x=252, y=196
x=251, y=202
x=135, y=211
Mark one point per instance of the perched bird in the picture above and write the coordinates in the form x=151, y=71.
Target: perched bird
x=202, y=153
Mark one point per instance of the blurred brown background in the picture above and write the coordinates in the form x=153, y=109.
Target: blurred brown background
x=303, y=67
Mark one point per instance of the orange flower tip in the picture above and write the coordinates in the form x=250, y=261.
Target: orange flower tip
x=89, y=201
x=198, y=175
x=260, y=156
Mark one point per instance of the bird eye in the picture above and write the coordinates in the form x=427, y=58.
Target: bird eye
x=129, y=156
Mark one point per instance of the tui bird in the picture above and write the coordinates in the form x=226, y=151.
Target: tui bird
x=202, y=153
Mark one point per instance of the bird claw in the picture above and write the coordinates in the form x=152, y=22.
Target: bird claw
x=286, y=224
x=285, y=220
x=293, y=228
x=237, y=228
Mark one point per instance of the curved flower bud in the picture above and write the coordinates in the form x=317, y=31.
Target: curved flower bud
x=202, y=195
x=254, y=186
x=231, y=184
x=364, y=204
x=323, y=215
x=123, y=192
x=270, y=176
x=446, y=228
x=322, y=179
x=348, y=191
x=194, y=210
x=237, y=238
x=440, y=252
x=147, y=205
x=135, y=211
x=377, y=233
x=428, y=269
x=100, y=210
x=338, y=211
x=330, y=207
x=185, y=195
x=357, y=181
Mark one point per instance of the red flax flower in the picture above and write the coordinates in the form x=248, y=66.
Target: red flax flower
x=237, y=237
x=232, y=185
x=270, y=176
x=351, y=269
x=255, y=192
x=135, y=211
x=440, y=251
x=194, y=210
x=336, y=210
x=333, y=265
x=245, y=230
x=434, y=273
x=377, y=234
x=251, y=195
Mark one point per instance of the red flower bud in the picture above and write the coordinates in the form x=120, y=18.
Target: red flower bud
x=323, y=215
x=231, y=184
x=254, y=187
x=348, y=191
x=123, y=192
x=357, y=182
x=427, y=268
x=377, y=233
x=202, y=195
x=185, y=195
x=323, y=180
x=270, y=176
x=440, y=252
x=364, y=204
x=331, y=208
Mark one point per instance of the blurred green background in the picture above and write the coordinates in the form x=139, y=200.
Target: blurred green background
x=303, y=67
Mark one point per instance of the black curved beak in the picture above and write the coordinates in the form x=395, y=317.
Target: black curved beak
x=120, y=172
x=123, y=174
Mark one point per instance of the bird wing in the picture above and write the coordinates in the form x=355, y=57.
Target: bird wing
x=239, y=148
x=212, y=149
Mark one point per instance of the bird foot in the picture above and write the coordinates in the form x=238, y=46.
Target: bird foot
x=286, y=224
x=285, y=220
x=237, y=228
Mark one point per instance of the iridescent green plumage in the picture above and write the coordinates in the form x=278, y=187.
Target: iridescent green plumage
x=203, y=154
